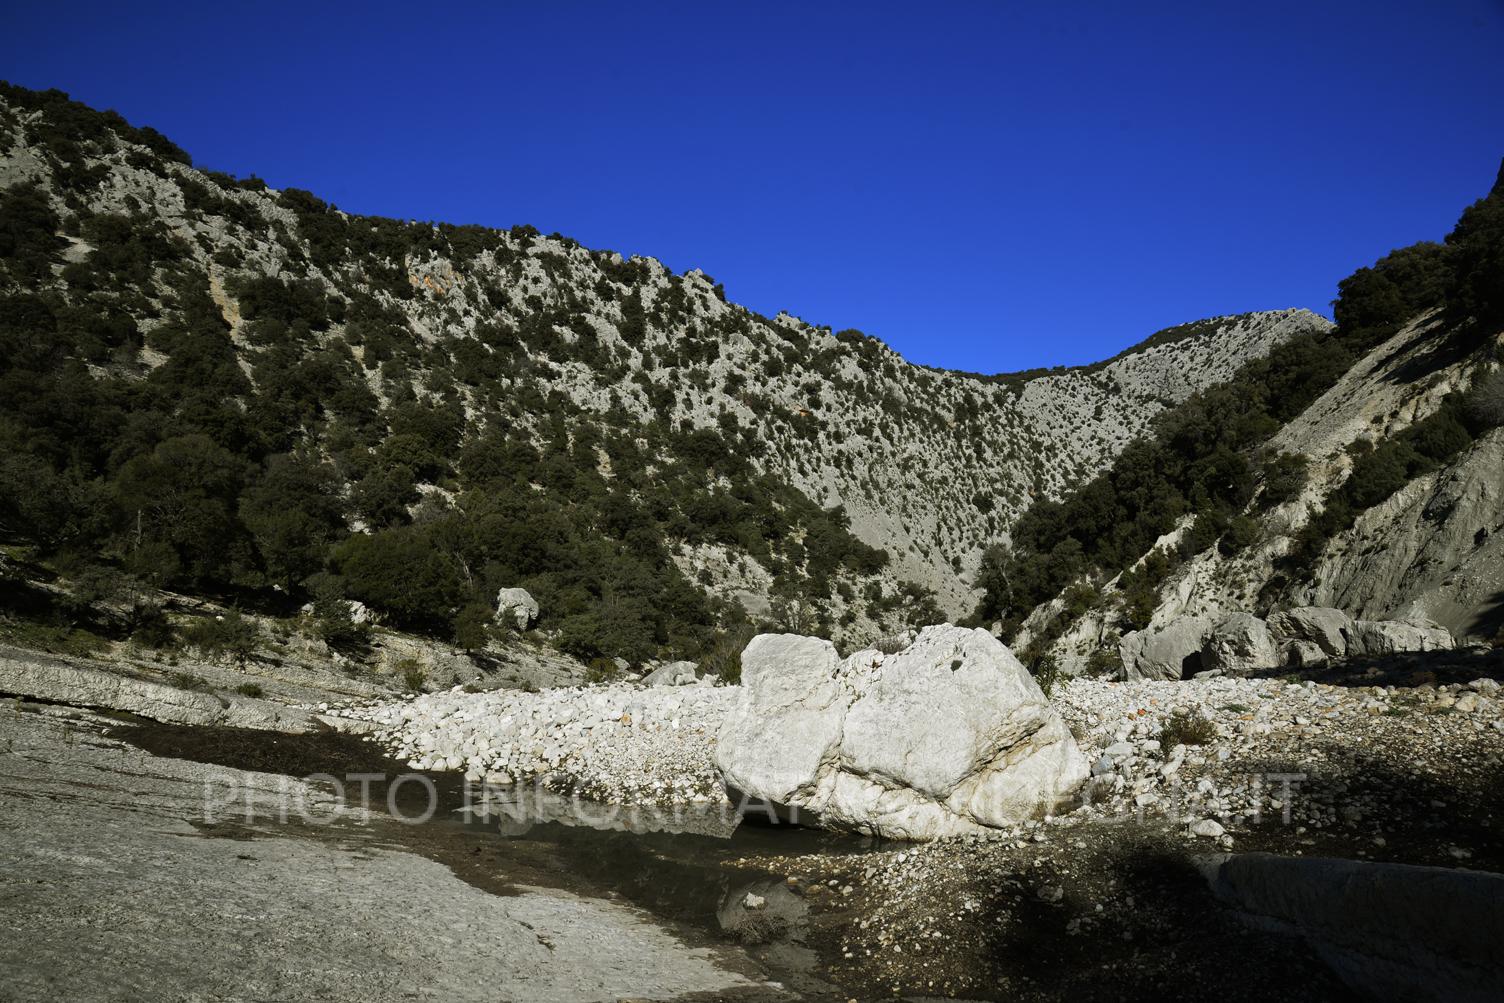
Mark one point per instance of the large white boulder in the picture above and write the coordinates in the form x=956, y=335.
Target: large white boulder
x=516, y=607
x=949, y=735
x=779, y=741
x=1170, y=652
x=1240, y=642
x=1319, y=625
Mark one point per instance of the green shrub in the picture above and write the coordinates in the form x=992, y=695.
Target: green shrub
x=56, y=639
x=250, y=690
x=413, y=675
x=1284, y=477
x=472, y=626
x=1184, y=727
x=231, y=636
x=1104, y=662
x=1242, y=532
x=189, y=681
x=1046, y=671
x=723, y=656
x=602, y=670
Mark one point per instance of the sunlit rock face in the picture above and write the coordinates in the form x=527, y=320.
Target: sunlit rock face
x=947, y=736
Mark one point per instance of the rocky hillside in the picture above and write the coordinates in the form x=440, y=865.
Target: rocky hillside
x=217, y=385
x=1369, y=483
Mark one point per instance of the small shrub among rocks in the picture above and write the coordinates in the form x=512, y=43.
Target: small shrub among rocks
x=413, y=676
x=1185, y=728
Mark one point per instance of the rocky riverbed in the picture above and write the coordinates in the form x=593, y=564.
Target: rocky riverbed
x=620, y=744
x=1397, y=759
x=1217, y=756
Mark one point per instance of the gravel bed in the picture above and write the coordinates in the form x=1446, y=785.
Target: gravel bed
x=617, y=744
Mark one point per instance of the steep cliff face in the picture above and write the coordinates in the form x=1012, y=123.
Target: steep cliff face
x=540, y=336
x=1435, y=549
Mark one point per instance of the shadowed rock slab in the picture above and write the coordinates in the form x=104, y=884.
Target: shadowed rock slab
x=1319, y=625
x=1171, y=652
x=1390, y=931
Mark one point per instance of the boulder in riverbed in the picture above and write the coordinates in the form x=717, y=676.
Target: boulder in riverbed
x=1387, y=637
x=516, y=608
x=1319, y=625
x=1171, y=652
x=950, y=735
x=1240, y=642
x=672, y=674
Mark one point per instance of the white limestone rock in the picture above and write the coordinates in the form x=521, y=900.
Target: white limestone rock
x=1240, y=642
x=672, y=674
x=1170, y=652
x=516, y=607
x=1319, y=625
x=779, y=741
x=1386, y=637
x=950, y=735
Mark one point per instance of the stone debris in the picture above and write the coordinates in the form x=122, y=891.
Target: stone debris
x=620, y=743
x=632, y=744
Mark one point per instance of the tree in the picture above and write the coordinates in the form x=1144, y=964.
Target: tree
x=1284, y=476
x=399, y=571
x=176, y=509
x=230, y=635
x=472, y=626
x=1484, y=404
x=293, y=513
x=1476, y=291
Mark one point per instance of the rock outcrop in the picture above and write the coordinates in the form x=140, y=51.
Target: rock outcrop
x=949, y=735
x=1239, y=643
x=1387, y=637
x=672, y=674
x=516, y=607
x=1433, y=549
x=1171, y=652
x=1321, y=626
x=53, y=679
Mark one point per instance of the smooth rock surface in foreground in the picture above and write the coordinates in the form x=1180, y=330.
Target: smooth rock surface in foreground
x=114, y=889
x=949, y=736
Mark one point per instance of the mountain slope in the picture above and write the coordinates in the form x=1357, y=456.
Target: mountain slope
x=484, y=408
x=1370, y=484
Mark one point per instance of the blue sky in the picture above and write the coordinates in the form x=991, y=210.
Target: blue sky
x=984, y=186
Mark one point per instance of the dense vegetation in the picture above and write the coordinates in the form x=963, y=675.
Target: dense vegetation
x=1206, y=458
x=326, y=449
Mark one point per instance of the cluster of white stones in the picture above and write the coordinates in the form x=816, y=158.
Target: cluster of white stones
x=619, y=743
x=1133, y=732
x=628, y=744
